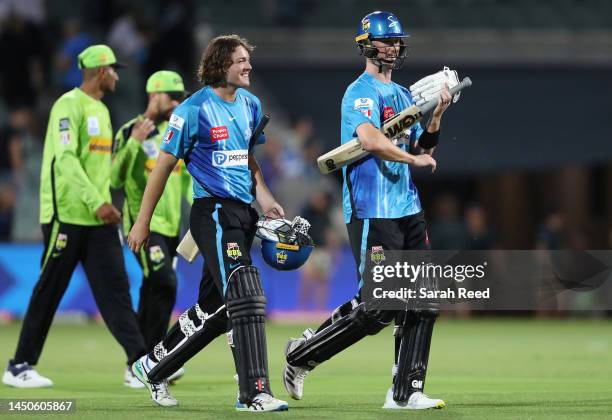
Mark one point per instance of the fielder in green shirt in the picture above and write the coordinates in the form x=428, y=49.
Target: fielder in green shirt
x=135, y=153
x=79, y=223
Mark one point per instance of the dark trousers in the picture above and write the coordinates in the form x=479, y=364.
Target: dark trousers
x=224, y=231
x=98, y=248
x=158, y=289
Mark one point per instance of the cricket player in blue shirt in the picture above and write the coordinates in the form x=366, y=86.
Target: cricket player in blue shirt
x=212, y=131
x=382, y=211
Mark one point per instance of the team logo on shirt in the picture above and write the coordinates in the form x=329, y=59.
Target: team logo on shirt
x=168, y=136
x=219, y=133
x=176, y=122
x=281, y=257
x=388, y=112
x=233, y=250
x=156, y=254
x=64, y=137
x=378, y=255
x=226, y=158
x=364, y=105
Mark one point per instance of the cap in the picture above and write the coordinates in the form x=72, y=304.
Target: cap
x=165, y=81
x=98, y=56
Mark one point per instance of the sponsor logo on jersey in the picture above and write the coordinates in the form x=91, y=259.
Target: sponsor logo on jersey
x=233, y=250
x=64, y=124
x=388, y=112
x=176, y=122
x=100, y=145
x=93, y=126
x=219, y=133
x=378, y=255
x=230, y=158
x=168, y=136
x=364, y=105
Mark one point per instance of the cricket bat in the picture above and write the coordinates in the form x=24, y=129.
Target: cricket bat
x=188, y=248
x=393, y=128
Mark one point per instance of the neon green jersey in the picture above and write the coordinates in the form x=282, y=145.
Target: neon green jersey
x=132, y=163
x=75, y=172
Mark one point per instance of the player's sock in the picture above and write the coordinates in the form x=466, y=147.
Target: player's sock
x=193, y=331
x=246, y=305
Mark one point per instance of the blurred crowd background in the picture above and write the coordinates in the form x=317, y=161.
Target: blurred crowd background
x=525, y=160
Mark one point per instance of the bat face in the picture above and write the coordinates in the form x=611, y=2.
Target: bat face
x=392, y=128
x=341, y=156
x=397, y=124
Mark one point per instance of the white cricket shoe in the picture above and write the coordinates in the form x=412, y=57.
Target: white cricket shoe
x=417, y=401
x=160, y=393
x=23, y=375
x=293, y=376
x=130, y=380
x=264, y=402
x=172, y=379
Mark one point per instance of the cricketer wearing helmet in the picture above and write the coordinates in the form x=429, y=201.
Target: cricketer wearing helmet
x=212, y=131
x=382, y=210
x=135, y=153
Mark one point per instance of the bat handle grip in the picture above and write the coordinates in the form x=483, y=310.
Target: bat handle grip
x=429, y=106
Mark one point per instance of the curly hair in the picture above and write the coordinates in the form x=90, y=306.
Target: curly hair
x=217, y=58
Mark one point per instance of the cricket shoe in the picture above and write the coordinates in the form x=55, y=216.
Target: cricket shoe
x=174, y=378
x=263, y=402
x=160, y=393
x=131, y=381
x=240, y=406
x=417, y=401
x=23, y=375
x=293, y=376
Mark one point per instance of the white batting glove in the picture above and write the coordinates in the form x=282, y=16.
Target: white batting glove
x=429, y=87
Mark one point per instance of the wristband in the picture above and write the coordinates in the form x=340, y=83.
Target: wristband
x=429, y=140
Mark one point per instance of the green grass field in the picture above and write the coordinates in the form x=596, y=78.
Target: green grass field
x=486, y=369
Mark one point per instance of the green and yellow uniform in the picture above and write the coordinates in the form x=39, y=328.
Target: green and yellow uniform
x=132, y=163
x=75, y=181
x=75, y=173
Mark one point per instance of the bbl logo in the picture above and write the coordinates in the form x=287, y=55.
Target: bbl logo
x=62, y=242
x=233, y=250
x=365, y=24
x=281, y=257
x=377, y=255
x=156, y=254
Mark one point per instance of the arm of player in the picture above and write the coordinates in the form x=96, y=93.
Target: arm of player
x=127, y=151
x=263, y=195
x=139, y=234
x=187, y=184
x=375, y=142
x=433, y=126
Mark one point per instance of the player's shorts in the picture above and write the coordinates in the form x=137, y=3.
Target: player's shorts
x=224, y=231
x=404, y=233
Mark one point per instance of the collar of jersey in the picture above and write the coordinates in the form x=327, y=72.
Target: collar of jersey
x=216, y=98
x=375, y=81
